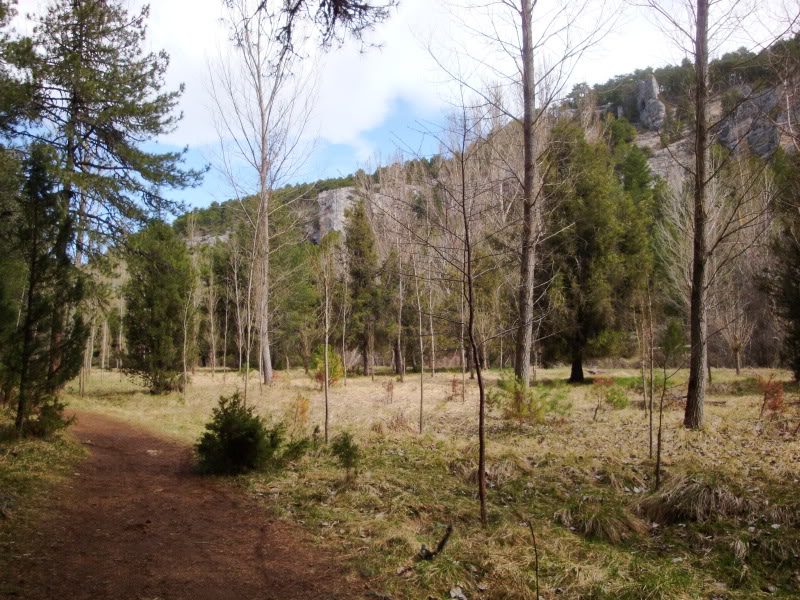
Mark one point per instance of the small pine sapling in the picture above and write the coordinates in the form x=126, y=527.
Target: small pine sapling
x=346, y=450
x=335, y=369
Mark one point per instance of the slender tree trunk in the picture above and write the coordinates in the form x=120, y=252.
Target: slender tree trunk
x=371, y=349
x=652, y=347
x=27, y=345
x=738, y=353
x=640, y=339
x=660, y=430
x=185, y=345
x=430, y=329
x=365, y=352
x=474, y=347
x=90, y=355
x=421, y=349
x=399, y=348
x=104, y=346
x=500, y=360
x=212, y=318
x=225, y=342
x=698, y=326
x=327, y=366
x=527, y=266
x=344, y=332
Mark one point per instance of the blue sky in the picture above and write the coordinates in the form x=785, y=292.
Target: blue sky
x=401, y=130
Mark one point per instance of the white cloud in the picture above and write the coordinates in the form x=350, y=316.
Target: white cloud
x=358, y=90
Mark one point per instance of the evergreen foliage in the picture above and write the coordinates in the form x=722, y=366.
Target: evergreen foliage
x=784, y=279
x=601, y=250
x=53, y=285
x=156, y=294
x=346, y=450
x=98, y=97
x=364, y=293
x=236, y=440
x=335, y=369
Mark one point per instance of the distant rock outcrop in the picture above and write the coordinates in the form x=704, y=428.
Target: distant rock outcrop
x=332, y=205
x=753, y=122
x=652, y=111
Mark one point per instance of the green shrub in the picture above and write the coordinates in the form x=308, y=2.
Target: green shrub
x=335, y=369
x=528, y=404
x=237, y=440
x=617, y=397
x=48, y=419
x=347, y=451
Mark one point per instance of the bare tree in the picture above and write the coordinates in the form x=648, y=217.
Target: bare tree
x=522, y=31
x=262, y=100
x=324, y=266
x=700, y=28
x=460, y=240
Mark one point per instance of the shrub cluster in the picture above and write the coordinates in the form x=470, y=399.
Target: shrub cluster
x=347, y=451
x=237, y=440
x=528, y=404
x=335, y=368
x=47, y=419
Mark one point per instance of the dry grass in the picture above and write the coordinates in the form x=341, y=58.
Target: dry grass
x=582, y=482
x=602, y=518
x=696, y=497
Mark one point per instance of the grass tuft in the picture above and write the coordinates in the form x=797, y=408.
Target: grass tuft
x=696, y=497
x=602, y=518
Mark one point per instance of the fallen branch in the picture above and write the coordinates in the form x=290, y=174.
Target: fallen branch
x=425, y=554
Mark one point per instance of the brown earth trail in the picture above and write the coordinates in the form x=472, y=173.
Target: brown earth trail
x=136, y=523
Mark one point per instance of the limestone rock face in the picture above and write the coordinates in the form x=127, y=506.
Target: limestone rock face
x=332, y=204
x=651, y=110
x=753, y=123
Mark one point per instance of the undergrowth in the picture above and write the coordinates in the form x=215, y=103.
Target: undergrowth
x=723, y=526
x=29, y=469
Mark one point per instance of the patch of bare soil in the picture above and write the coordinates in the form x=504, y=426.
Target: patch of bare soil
x=136, y=523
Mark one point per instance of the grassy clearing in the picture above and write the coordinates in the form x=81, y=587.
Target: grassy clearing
x=725, y=525
x=29, y=470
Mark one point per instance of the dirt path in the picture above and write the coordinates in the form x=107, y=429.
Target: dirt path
x=135, y=523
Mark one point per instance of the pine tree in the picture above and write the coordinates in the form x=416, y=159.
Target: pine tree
x=600, y=253
x=783, y=280
x=364, y=295
x=95, y=98
x=53, y=284
x=160, y=282
x=99, y=96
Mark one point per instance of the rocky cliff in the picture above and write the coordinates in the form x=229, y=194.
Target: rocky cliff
x=332, y=205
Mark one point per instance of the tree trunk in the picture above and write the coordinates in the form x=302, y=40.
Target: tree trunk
x=738, y=353
x=430, y=328
x=27, y=347
x=104, y=346
x=421, y=350
x=398, y=359
x=119, y=341
x=522, y=362
x=365, y=353
x=576, y=374
x=399, y=370
x=698, y=326
x=327, y=367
